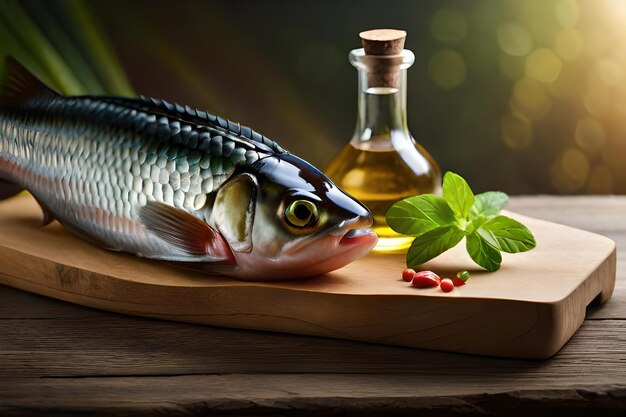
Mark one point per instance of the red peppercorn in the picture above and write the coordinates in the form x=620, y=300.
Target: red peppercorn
x=426, y=279
x=458, y=282
x=408, y=274
x=461, y=278
x=447, y=285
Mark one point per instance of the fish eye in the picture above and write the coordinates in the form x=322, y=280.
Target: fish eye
x=301, y=214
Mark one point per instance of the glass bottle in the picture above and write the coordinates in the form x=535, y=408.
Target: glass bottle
x=382, y=163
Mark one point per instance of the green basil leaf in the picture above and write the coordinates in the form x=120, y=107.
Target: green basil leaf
x=420, y=214
x=458, y=194
x=474, y=223
x=509, y=235
x=483, y=253
x=489, y=203
x=488, y=237
x=432, y=244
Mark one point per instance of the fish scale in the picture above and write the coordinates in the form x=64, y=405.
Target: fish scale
x=94, y=162
x=170, y=182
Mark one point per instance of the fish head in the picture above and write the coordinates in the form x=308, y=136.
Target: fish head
x=303, y=224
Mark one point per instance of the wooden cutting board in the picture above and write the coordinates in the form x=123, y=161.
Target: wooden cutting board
x=529, y=309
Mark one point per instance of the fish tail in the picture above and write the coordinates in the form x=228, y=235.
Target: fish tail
x=19, y=86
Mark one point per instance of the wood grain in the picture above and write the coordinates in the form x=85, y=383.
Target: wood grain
x=60, y=359
x=603, y=215
x=530, y=308
x=118, y=346
x=303, y=395
x=107, y=364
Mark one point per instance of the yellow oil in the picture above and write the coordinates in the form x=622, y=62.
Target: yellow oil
x=379, y=175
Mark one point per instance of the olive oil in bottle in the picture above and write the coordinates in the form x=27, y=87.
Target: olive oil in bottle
x=382, y=163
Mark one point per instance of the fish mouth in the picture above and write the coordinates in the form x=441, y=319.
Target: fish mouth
x=363, y=235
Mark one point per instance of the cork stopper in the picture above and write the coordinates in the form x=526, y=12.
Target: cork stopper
x=383, y=41
x=383, y=53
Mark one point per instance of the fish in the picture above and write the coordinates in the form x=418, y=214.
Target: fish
x=175, y=184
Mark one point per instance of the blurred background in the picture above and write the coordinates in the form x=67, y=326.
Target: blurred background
x=524, y=96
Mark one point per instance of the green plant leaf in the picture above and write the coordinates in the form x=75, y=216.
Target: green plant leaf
x=457, y=194
x=420, y=214
x=19, y=23
x=509, y=235
x=99, y=50
x=57, y=30
x=62, y=44
x=483, y=253
x=489, y=203
x=432, y=244
x=441, y=223
x=475, y=222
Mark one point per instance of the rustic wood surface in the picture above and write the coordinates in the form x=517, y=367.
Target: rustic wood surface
x=528, y=309
x=61, y=359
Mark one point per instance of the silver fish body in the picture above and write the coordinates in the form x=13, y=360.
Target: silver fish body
x=93, y=162
x=173, y=183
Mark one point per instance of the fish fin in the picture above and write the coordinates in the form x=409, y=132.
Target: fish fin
x=233, y=211
x=185, y=231
x=9, y=189
x=243, y=135
x=48, y=215
x=20, y=85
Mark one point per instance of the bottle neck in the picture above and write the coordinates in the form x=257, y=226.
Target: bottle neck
x=382, y=104
x=381, y=110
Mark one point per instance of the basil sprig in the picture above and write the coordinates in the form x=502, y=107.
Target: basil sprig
x=440, y=223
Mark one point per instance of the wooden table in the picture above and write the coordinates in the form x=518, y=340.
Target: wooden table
x=61, y=359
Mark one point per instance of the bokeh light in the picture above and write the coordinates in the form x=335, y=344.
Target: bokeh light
x=567, y=88
x=609, y=72
x=514, y=39
x=517, y=130
x=530, y=98
x=596, y=43
x=543, y=64
x=447, y=69
x=597, y=101
x=589, y=134
x=448, y=26
x=572, y=86
x=615, y=10
x=536, y=89
x=539, y=17
x=567, y=12
x=568, y=44
x=570, y=170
